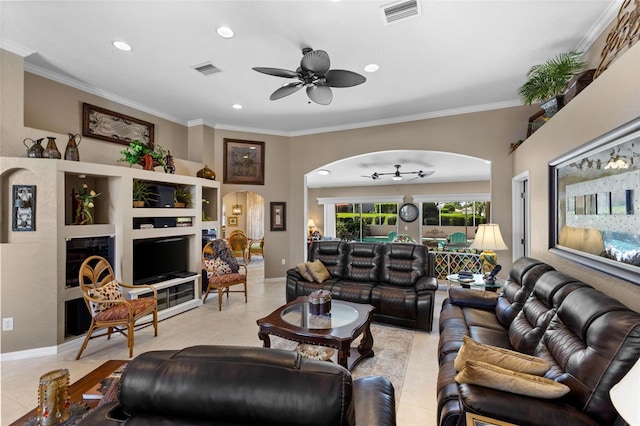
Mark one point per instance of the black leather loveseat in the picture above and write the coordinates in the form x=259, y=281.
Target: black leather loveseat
x=396, y=278
x=229, y=385
x=589, y=340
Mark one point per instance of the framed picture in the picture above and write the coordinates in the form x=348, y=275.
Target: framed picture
x=233, y=220
x=595, y=203
x=100, y=123
x=278, y=216
x=243, y=162
x=24, y=208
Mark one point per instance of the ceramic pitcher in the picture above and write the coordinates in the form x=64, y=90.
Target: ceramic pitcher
x=51, y=151
x=71, y=152
x=35, y=150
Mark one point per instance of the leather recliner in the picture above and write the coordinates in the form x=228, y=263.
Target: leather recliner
x=232, y=385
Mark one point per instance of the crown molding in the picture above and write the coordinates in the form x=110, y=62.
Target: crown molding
x=601, y=24
x=12, y=47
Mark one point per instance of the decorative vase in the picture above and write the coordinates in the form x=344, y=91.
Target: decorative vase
x=147, y=162
x=53, y=398
x=138, y=203
x=35, y=150
x=71, y=152
x=206, y=173
x=51, y=151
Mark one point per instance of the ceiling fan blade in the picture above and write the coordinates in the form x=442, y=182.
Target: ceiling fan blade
x=320, y=94
x=316, y=61
x=278, y=72
x=343, y=78
x=286, y=90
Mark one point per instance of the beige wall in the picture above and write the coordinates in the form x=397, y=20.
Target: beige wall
x=610, y=101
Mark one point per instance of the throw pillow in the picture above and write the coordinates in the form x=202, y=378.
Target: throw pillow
x=218, y=265
x=318, y=271
x=302, y=270
x=501, y=357
x=490, y=376
x=107, y=292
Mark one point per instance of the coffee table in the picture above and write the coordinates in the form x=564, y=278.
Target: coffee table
x=338, y=330
x=79, y=387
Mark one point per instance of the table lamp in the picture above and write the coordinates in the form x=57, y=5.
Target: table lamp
x=624, y=396
x=311, y=225
x=488, y=238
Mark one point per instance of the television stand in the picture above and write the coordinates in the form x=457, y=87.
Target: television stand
x=175, y=295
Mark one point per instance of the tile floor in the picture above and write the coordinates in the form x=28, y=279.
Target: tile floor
x=235, y=325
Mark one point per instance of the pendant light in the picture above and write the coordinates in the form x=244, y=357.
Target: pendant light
x=237, y=208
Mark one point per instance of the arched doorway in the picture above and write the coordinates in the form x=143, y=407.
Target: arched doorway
x=245, y=211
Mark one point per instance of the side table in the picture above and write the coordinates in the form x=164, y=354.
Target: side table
x=477, y=283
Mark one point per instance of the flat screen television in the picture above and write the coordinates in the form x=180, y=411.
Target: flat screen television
x=160, y=259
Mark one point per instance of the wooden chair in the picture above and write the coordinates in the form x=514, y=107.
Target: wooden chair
x=255, y=247
x=103, y=296
x=220, y=277
x=239, y=244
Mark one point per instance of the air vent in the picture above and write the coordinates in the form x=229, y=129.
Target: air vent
x=206, y=69
x=400, y=11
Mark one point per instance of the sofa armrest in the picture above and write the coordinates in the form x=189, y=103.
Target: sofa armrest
x=375, y=401
x=519, y=409
x=473, y=298
x=293, y=272
x=426, y=285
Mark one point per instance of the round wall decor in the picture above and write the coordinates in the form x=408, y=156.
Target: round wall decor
x=409, y=212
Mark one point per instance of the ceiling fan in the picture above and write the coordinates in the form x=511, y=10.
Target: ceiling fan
x=397, y=175
x=314, y=74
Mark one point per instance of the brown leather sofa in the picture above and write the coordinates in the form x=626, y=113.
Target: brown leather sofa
x=396, y=278
x=229, y=385
x=590, y=340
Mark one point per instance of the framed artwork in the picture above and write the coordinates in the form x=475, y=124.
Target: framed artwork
x=233, y=220
x=595, y=203
x=24, y=208
x=243, y=162
x=278, y=216
x=110, y=126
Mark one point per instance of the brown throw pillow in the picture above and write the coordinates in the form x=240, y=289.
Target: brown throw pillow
x=487, y=375
x=106, y=293
x=501, y=357
x=318, y=271
x=302, y=270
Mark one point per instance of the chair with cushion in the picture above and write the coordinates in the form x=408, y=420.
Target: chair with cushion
x=239, y=244
x=103, y=296
x=223, y=270
x=255, y=247
x=457, y=238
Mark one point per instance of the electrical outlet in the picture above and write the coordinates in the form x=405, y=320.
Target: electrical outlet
x=406, y=228
x=283, y=262
x=7, y=324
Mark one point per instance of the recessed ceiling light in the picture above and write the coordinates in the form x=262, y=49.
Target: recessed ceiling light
x=324, y=172
x=121, y=45
x=237, y=106
x=225, y=32
x=372, y=68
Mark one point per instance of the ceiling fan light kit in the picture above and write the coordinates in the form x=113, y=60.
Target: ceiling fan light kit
x=397, y=175
x=314, y=75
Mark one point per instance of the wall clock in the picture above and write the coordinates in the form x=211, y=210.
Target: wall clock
x=409, y=212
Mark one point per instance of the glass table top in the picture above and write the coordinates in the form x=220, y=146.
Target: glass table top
x=299, y=315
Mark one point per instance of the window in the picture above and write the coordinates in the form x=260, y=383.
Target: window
x=455, y=213
x=365, y=221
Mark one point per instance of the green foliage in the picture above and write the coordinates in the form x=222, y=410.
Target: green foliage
x=136, y=151
x=550, y=79
x=183, y=195
x=142, y=192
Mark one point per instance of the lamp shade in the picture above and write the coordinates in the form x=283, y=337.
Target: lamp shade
x=624, y=396
x=311, y=224
x=488, y=237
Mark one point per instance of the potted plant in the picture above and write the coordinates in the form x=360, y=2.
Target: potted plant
x=147, y=157
x=182, y=197
x=547, y=82
x=142, y=193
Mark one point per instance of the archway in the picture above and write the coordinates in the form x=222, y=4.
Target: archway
x=245, y=211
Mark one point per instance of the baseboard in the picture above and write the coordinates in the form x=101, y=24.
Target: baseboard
x=29, y=353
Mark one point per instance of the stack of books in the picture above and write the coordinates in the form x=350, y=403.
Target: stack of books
x=465, y=277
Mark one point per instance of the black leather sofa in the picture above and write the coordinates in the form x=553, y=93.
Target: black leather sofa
x=227, y=385
x=590, y=340
x=398, y=279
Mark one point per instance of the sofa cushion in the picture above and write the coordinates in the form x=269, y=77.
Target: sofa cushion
x=363, y=262
x=332, y=254
x=491, y=376
x=505, y=358
x=318, y=271
x=302, y=270
x=403, y=264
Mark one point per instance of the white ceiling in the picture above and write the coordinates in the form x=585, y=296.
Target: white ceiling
x=455, y=57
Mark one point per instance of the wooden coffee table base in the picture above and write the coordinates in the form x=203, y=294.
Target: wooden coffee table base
x=339, y=338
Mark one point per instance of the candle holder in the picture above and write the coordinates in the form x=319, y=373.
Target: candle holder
x=53, y=398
